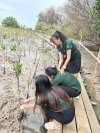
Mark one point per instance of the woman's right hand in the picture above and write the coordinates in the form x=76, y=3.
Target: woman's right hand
x=58, y=68
x=22, y=101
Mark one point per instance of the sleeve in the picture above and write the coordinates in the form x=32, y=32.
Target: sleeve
x=68, y=44
x=57, y=81
x=39, y=102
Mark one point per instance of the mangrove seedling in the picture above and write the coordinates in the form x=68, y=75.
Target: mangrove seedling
x=29, y=82
x=3, y=47
x=4, y=35
x=18, y=70
x=14, y=48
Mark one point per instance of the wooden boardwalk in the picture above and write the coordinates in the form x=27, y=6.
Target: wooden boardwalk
x=85, y=120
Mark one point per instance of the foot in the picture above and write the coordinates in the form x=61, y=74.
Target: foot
x=53, y=125
x=77, y=97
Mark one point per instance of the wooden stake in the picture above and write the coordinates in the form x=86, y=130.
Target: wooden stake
x=94, y=75
x=79, y=46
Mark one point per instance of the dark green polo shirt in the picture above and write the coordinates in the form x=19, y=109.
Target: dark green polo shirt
x=68, y=80
x=68, y=44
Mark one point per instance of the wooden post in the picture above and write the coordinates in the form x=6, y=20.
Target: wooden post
x=94, y=75
x=79, y=46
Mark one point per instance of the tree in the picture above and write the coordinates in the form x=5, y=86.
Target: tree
x=50, y=16
x=79, y=12
x=96, y=16
x=10, y=22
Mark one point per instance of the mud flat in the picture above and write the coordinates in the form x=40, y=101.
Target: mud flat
x=41, y=55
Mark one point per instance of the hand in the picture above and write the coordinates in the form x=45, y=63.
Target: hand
x=22, y=107
x=22, y=101
x=58, y=68
x=62, y=70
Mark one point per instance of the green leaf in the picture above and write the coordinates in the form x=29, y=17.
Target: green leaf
x=13, y=47
x=17, y=68
x=4, y=35
x=3, y=46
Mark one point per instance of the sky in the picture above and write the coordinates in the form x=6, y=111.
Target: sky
x=26, y=11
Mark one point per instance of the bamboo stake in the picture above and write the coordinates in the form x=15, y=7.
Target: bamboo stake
x=94, y=75
x=79, y=46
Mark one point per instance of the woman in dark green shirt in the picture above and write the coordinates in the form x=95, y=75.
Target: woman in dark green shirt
x=70, y=57
x=55, y=103
x=66, y=81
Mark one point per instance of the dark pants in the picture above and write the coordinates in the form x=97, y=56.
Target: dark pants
x=70, y=91
x=64, y=117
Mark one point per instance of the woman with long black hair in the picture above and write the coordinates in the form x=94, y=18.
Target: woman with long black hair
x=70, y=57
x=55, y=103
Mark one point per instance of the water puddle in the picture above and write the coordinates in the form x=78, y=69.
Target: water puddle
x=33, y=123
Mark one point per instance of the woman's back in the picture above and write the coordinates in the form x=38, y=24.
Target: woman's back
x=63, y=105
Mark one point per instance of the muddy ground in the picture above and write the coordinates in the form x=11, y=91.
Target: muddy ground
x=34, y=62
x=35, y=57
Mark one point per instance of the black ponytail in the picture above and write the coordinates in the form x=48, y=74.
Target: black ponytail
x=58, y=35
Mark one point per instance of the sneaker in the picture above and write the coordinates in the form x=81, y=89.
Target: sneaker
x=77, y=97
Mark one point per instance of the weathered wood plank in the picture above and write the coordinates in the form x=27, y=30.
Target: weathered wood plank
x=81, y=117
x=95, y=127
x=70, y=128
x=55, y=131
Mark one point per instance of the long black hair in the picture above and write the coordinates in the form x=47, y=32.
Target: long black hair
x=43, y=87
x=58, y=35
x=51, y=71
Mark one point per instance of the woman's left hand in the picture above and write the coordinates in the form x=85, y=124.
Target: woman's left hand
x=22, y=107
x=62, y=70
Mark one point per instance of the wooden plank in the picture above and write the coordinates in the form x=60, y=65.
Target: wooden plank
x=95, y=127
x=81, y=117
x=55, y=131
x=70, y=128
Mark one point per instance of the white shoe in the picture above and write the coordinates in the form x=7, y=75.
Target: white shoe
x=52, y=126
x=77, y=97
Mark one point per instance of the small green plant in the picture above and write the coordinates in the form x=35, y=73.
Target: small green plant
x=18, y=70
x=14, y=47
x=29, y=82
x=4, y=35
x=3, y=47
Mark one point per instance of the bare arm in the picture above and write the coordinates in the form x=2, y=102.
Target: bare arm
x=27, y=100
x=31, y=106
x=68, y=53
x=60, y=60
